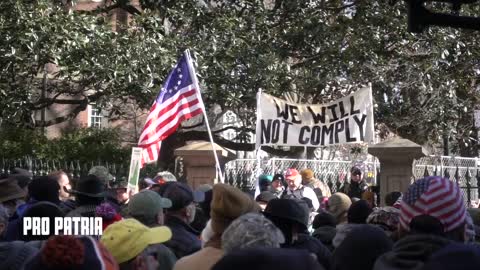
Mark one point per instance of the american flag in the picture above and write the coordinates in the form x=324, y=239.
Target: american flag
x=178, y=100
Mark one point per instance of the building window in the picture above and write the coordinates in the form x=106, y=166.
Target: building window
x=96, y=117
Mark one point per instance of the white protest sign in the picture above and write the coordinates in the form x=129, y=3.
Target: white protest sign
x=134, y=171
x=476, y=115
x=345, y=120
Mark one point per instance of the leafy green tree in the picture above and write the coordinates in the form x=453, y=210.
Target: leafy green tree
x=425, y=85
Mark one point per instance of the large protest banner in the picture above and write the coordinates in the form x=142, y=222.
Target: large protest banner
x=345, y=120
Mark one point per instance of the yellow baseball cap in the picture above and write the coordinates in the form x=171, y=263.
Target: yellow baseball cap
x=127, y=238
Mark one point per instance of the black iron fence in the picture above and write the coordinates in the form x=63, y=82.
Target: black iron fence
x=75, y=169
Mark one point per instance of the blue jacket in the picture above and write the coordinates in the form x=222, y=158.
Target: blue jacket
x=185, y=240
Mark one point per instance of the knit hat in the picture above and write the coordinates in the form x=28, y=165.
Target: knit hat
x=249, y=231
x=180, y=194
x=358, y=166
x=128, y=238
x=338, y=205
x=44, y=188
x=265, y=178
x=41, y=209
x=9, y=190
x=324, y=219
x=265, y=197
x=386, y=217
x=307, y=174
x=361, y=248
x=145, y=206
x=288, y=209
x=279, y=177
x=291, y=174
x=101, y=173
x=14, y=255
x=436, y=197
x=228, y=203
x=69, y=252
x=358, y=212
x=267, y=259
x=455, y=256
x=108, y=214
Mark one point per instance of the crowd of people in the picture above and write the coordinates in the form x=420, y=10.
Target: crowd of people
x=295, y=222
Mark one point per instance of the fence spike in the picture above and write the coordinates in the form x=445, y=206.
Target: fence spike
x=426, y=173
x=468, y=176
x=457, y=176
x=446, y=174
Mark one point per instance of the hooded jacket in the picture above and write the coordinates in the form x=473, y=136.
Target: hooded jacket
x=411, y=252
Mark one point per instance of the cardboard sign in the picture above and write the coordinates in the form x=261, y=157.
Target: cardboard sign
x=134, y=171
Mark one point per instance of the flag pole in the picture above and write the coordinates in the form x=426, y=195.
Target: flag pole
x=258, y=145
x=193, y=74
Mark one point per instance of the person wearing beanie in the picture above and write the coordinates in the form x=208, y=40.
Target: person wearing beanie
x=296, y=190
x=108, y=214
x=277, y=187
x=43, y=210
x=14, y=255
x=228, y=203
x=359, y=212
x=267, y=259
x=357, y=185
x=432, y=215
x=324, y=228
x=69, y=252
x=264, y=197
x=291, y=217
x=264, y=182
x=386, y=218
x=455, y=256
x=251, y=230
x=128, y=240
x=320, y=188
x=338, y=206
x=361, y=248
x=202, y=212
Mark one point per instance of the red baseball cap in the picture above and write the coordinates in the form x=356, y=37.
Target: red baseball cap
x=291, y=174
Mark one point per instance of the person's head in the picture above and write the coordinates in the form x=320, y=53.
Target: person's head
x=338, y=205
x=11, y=195
x=148, y=207
x=454, y=256
x=120, y=188
x=65, y=252
x=357, y=172
x=434, y=205
x=41, y=209
x=64, y=182
x=358, y=212
x=102, y=174
x=229, y=203
x=89, y=190
x=307, y=176
x=278, y=182
x=128, y=238
x=268, y=258
x=44, y=188
x=386, y=218
x=361, y=248
x=264, y=197
x=15, y=254
x=324, y=219
x=183, y=200
x=249, y=231
x=289, y=216
x=392, y=197
x=264, y=182
x=108, y=214
x=293, y=178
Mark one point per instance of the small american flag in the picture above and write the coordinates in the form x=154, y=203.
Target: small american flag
x=178, y=100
